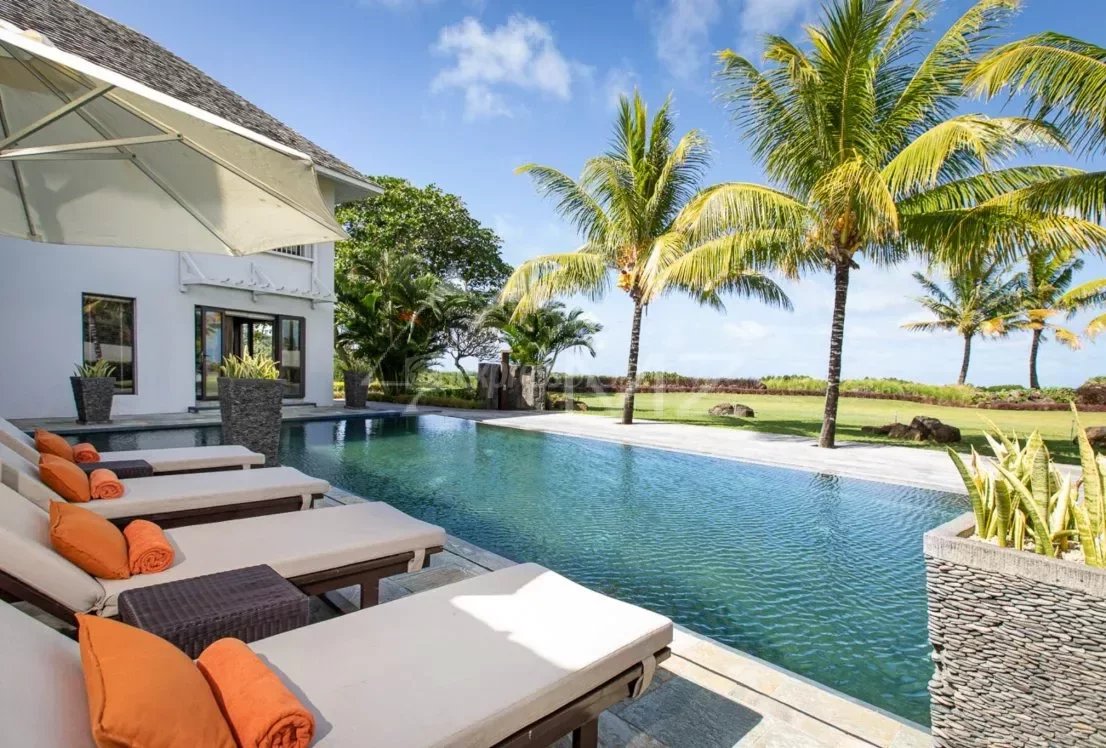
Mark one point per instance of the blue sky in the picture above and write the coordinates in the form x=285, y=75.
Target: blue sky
x=460, y=92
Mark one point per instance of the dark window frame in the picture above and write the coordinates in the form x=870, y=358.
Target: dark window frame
x=277, y=342
x=133, y=301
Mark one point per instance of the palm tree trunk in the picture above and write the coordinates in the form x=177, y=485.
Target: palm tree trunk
x=967, y=359
x=1034, y=347
x=837, y=342
x=631, y=367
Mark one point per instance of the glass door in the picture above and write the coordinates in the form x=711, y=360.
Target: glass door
x=209, y=352
x=290, y=355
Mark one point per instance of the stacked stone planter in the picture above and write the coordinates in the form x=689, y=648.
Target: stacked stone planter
x=356, y=388
x=1019, y=645
x=93, y=396
x=250, y=410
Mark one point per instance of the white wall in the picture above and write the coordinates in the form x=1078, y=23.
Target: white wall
x=40, y=320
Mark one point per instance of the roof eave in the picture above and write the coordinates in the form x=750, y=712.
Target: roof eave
x=347, y=188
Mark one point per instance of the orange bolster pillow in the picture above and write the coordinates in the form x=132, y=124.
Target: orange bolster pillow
x=105, y=484
x=148, y=550
x=260, y=709
x=85, y=452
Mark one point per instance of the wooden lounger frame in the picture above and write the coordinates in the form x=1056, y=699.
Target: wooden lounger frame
x=203, y=515
x=366, y=574
x=581, y=717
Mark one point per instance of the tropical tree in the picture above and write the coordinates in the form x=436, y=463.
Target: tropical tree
x=1048, y=278
x=539, y=336
x=976, y=303
x=869, y=161
x=466, y=333
x=428, y=223
x=391, y=314
x=1085, y=296
x=627, y=205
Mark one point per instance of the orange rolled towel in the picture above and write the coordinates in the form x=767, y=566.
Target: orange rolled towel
x=85, y=452
x=105, y=484
x=260, y=709
x=148, y=550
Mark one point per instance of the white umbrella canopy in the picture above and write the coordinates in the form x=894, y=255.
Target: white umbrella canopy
x=91, y=157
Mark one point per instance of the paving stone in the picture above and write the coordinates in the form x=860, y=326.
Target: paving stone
x=432, y=578
x=616, y=733
x=486, y=559
x=680, y=713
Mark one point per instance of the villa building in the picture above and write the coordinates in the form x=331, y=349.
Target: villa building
x=165, y=319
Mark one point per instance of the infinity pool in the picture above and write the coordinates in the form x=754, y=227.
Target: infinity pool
x=818, y=574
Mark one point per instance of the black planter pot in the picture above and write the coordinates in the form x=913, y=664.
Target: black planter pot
x=356, y=389
x=250, y=410
x=93, y=398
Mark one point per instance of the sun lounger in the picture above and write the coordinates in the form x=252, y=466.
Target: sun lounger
x=516, y=657
x=318, y=551
x=163, y=461
x=178, y=500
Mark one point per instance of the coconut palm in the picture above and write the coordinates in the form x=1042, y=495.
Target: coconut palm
x=976, y=303
x=869, y=161
x=540, y=335
x=1088, y=295
x=626, y=206
x=1048, y=278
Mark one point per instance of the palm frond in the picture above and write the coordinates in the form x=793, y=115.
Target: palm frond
x=573, y=201
x=541, y=279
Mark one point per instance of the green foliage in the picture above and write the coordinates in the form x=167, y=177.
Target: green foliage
x=258, y=366
x=1022, y=500
x=93, y=369
x=418, y=398
x=427, y=223
x=1096, y=380
x=870, y=159
x=538, y=336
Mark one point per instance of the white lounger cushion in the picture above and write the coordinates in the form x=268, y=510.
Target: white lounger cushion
x=27, y=555
x=168, y=460
x=292, y=544
x=16, y=440
x=164, y=493
x=176, y=459
x=169, y=493
x=467, y=664
x=44, y=704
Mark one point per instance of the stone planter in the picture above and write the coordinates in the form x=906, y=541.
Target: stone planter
x=1019, y=644
x=356, y=388
x=250, y=410
x=93, y=398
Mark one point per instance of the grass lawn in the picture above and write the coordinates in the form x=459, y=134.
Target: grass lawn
x=802, y=416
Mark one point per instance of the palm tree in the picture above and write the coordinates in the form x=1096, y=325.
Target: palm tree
x=868, y=161
x=539, y=336
x=1048, y=278
x=974, y=304
x=1085, y=296
x=626, y=205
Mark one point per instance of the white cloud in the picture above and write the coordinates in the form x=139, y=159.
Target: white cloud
x=746, y=330
x=773, y=17
x=521, y=54
x=619, y=81
x=682, y=29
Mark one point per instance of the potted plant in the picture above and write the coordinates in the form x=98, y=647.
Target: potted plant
x=250, y=394
x=355, y=374
x=1017, y=601
x=93, y=388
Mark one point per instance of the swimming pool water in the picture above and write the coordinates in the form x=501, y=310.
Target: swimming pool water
x=818, y=574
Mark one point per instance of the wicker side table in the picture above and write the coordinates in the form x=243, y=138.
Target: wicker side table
x=247, y=604
x=122, y=468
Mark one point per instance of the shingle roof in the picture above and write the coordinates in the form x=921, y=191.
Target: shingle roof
x=73, y=28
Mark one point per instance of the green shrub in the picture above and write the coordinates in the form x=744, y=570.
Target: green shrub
x=794, y=382
x=417, y=398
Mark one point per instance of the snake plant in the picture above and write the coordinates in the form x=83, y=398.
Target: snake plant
x=246, y=366
x=1021, y=499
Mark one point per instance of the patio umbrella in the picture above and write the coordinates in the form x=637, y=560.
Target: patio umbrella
x=88, y=156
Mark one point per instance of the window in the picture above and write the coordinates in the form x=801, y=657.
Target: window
x=295, y=250
x=108, y=334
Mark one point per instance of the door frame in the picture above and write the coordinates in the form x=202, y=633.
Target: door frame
x=228, y=342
